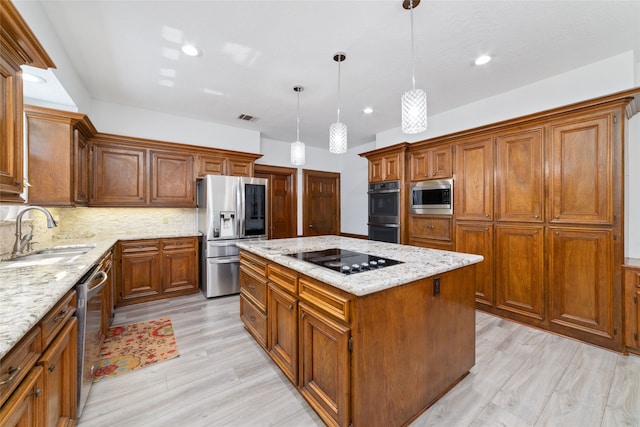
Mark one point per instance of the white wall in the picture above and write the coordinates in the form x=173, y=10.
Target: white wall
x=130, y=121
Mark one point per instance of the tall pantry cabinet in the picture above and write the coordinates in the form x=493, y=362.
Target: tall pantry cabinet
x=542, y=202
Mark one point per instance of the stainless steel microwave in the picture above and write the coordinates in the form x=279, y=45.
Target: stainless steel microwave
x=432, y=197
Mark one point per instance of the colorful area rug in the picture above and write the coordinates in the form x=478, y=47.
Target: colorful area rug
x=135, y=346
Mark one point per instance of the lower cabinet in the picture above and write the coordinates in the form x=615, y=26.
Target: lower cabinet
x=347, y=354
x=631, y=270
x=39, y=374
x=430, y=231
x=153, y=269
x=477, y=238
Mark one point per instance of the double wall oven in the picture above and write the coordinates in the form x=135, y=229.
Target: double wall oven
x=384, y=211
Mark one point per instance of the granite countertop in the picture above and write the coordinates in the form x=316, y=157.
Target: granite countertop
x=418, y=263
x=28, y=293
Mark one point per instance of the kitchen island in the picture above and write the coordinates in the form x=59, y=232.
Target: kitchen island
x=375, y=347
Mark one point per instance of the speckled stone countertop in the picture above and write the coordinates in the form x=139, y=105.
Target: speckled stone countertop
x=27, y=293
x=418, y=263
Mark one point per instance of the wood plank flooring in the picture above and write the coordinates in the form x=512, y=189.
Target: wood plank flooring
x=522, y=377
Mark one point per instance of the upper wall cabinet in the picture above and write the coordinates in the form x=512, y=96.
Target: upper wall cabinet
x=222, y=162
x=430, y=163
x=18, y=46
x=58, y=147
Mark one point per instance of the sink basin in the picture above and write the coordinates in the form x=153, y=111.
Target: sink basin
x=55, y=255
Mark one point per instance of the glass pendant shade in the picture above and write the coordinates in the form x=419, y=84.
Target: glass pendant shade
x=297, y=153
x=338, y=138
x=414, y=111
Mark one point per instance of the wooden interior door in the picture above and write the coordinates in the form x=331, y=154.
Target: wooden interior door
x=282, y=201
x=320, y=203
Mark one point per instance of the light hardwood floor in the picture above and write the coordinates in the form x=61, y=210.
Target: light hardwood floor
x=522, y=377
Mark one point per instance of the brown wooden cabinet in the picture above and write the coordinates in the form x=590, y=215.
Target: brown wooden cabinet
x=224, y=162
x=253, y=297
x=119, y=175
x=386, y=167
x=283, y=331
x=58, y=147
x=172, y=179
x=60, y=374
x=477, y=238
x=39, y=374
x=18, y=46
x=632, y=304
x=431, y=231
x=179, y=265
x=430, y=163
x=519, y=189
x=473, y=191
x=153, y=269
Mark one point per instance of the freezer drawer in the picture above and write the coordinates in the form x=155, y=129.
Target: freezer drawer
x=221, y=248
x=222, y=276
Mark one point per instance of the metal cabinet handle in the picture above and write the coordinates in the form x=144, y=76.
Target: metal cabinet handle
x=556, y=217
x=252, y=318
x=535, y=216
x=61, y=315
x=535, y=232
x=12, y=374
x=431, y=226
x=556, y=233
x=310, y=225
x=37, y=393
x=250, y=286
x=302, y=316
x=52, y=367
x=290, y=306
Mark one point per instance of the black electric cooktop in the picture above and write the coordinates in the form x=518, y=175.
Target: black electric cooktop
x=345, y=262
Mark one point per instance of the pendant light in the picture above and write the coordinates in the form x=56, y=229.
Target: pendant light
x=297, y=147
x=338, y=131
x=414, y=101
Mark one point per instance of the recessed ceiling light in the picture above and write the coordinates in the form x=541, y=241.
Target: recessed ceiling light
x=368, y=110
x=165, y=82
x=191, y=50
x=31, y=78
x=483, y=59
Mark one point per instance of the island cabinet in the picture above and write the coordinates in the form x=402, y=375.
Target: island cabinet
x=39, y=374
x=348, y=354
x=152, y=269
x=18, y=46
x=632, y=304
x=58, y=147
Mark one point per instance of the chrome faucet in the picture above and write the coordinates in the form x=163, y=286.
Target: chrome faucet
x=21, y=241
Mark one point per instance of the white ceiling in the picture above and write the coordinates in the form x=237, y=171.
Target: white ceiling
x=255, y=52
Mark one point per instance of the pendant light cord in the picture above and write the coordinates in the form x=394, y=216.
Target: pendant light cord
x=339, y=90
x=298, y=119
x=413, y=61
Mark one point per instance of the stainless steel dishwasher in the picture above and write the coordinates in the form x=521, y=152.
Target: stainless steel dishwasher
x=90, y=335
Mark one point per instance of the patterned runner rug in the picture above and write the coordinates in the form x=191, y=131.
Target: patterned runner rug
x=134, y=346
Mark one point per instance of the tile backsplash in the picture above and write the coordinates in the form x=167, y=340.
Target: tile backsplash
x=84, y=223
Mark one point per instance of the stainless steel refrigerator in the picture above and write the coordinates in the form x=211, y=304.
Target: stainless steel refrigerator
x=230, y=208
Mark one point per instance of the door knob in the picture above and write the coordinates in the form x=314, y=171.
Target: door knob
x=310, y=225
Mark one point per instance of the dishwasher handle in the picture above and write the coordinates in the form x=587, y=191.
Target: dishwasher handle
x=93, y=289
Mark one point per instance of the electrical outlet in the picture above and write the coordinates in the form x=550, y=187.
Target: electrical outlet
x=436, y=286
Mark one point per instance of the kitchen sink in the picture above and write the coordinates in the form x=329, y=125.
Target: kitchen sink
x=49, y=256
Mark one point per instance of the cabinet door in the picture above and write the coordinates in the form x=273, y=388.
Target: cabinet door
x=325, y=365
x=172, y=179
x=283, y=327
x=581, y=170
x=11, y=143
x=478, y=239
x=26, y=405
x=211, y=165
x=419, y=165
x=430, y=227
x=520, y=270
x=179, y=266
x=119, y=176
x=392, y=167
x=581, y=287
x=519, y=176
x=139, y=271
x=60, y=376
x=474, y=180
x=375, y=169
x=632, y=306
x=80, y=168
x=440, y=162
x=239, y=167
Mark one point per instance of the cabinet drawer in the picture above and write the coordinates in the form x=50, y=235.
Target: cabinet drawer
x=16, y=364
x=255, y=287
x=254, y=320
x=429, y=227
x=140, y=246
x=254, y=262
x=442, y=245
x=55, y=319
x=282, y=276
x=174, y=244
x=326, y=298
